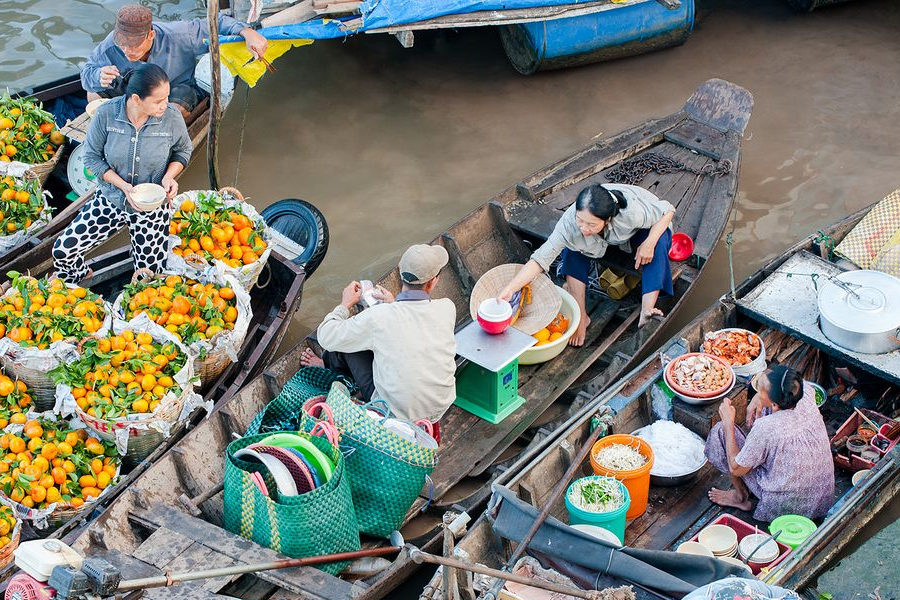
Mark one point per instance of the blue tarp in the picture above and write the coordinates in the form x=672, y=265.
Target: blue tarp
x=386, y=13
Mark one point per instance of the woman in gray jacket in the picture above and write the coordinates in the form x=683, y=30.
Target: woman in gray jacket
x=135, y=138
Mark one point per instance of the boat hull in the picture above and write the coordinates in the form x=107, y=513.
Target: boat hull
x=607, y=35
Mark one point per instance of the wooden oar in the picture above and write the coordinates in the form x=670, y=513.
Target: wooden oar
x=420, y=557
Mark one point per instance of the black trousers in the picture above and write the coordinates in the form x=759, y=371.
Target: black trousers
x=355, y=365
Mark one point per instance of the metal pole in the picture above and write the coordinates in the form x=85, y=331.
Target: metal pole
x=173, y=578
x=215, y=96
x=555, y=494
x=420, y=557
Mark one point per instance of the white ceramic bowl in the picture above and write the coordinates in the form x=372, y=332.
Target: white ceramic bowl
x=858, y=476
x=766, y=554
x=539, y=354
x=148, y=196
x=93, y=105
x=694, y=548
x=720, y=539
x=599, y=533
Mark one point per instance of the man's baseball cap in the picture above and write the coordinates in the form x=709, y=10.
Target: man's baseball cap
x=421, y=263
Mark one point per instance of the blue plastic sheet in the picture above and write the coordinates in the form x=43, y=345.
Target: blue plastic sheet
x=386, y=13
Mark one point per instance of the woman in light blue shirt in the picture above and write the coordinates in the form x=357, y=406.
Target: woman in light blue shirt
x=626, y=216
x=135, y=138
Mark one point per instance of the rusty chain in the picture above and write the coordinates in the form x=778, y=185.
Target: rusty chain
x=633, y=171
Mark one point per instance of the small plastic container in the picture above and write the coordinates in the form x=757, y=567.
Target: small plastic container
x=148, y=196
x=636, y=480
x=494, y=315
x=613, y=521
x=794, y=529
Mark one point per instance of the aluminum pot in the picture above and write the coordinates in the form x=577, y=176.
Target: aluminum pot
x=860, y=311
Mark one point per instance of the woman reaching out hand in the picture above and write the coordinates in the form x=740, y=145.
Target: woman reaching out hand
x=626, y=216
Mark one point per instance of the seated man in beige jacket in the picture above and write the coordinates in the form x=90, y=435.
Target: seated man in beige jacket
x=403, y=350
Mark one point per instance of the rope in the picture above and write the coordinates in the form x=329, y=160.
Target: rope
x=825, y=241
x=237, y=165
x=633, y=171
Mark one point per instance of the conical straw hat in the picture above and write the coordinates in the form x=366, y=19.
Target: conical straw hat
x=545, y=299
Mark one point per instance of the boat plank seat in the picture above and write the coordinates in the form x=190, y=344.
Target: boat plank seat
x=699, y=137
x=302, y=580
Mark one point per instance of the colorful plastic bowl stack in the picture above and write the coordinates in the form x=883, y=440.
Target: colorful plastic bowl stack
x=295, y=464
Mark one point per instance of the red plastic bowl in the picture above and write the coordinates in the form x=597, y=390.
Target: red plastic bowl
x=493, y=316
x=682, y=247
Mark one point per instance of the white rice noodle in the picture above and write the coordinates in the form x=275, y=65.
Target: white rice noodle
x=676, y=449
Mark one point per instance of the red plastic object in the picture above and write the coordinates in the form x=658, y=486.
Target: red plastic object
x=494, y=316
x=852, y=462
x=682, y=247
x=743, y=529
x=670, y=381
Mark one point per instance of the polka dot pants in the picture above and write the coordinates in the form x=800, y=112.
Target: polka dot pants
x=100, y=219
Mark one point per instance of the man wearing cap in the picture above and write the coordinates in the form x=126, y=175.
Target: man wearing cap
x=402, y=351
x=174, y=46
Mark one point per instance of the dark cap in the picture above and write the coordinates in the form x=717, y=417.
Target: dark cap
x=133, y=24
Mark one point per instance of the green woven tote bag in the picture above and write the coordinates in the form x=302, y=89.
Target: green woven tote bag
x=284, y=412
x=322, y=521
x=386, y=471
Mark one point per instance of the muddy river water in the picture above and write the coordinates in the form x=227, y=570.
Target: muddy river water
x=394, y=145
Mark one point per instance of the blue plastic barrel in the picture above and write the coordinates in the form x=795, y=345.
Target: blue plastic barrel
x=613, y=521
x=606, y=35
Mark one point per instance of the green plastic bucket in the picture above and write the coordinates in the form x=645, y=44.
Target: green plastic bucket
x=613, y=521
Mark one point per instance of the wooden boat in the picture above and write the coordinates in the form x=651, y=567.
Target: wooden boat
x=627, y=30
x=274, y=303
x=140, y=522
x=811, y=5
x=676, y=514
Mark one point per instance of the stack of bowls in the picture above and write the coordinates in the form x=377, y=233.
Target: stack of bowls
x=721, y=540
x=766, y=555
x=695, y=548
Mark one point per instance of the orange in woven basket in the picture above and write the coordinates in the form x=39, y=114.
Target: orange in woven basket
x=50, y=463
x=212, y=231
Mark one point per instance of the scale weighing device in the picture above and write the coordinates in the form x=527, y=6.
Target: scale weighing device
x=488, y=386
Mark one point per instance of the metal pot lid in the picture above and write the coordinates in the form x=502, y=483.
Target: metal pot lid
x=861, y=301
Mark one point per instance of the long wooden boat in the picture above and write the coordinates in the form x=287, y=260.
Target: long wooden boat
x=676, y=514
x=139, y=523
x=274, y=303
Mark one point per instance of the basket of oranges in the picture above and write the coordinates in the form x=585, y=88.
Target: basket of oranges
x=52, y=471
x=10, y=530
x=129, y=388
x=28, y=134
x=210, y=318
x=41, y=321
x=23, y=206
x=218, y=229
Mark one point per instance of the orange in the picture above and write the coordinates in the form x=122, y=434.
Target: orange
x=555, y=336
x=16, y=444
x=542, y=336
x=249, y=257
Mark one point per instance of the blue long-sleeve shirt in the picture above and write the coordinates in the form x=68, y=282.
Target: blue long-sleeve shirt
x=137, y=156
x=176, y=47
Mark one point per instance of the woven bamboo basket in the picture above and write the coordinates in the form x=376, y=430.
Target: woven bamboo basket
x=41, y=387
x=142, y=440
x=247, y=275
x=6, y=553
x=43, y=170
x=215, y=362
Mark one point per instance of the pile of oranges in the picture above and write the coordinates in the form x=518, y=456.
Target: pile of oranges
x=21, y=203
x=52, y=463
x=14, y=401
x=7, y=525
x=122, y=374
x=39, y=312
x=189, y=309
x=27, y=132
x=217, y=232
x=552, y=332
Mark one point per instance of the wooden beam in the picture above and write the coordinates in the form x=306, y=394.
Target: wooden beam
x=406, y=38
x=458, y=263
x=298, y=13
